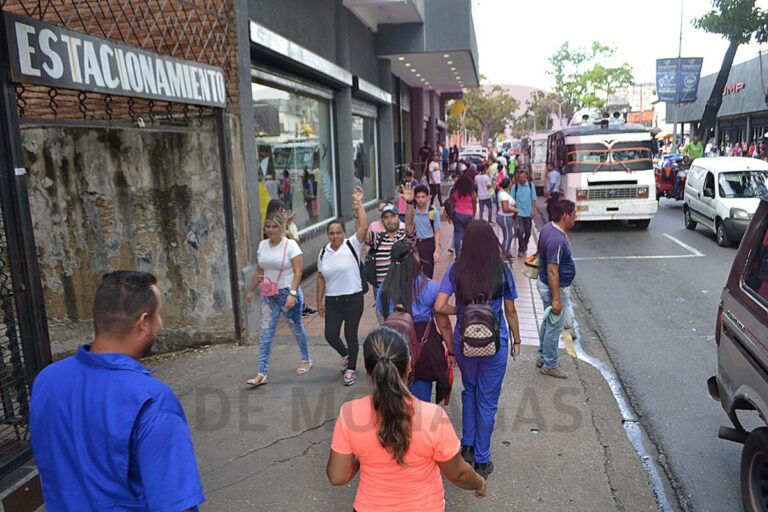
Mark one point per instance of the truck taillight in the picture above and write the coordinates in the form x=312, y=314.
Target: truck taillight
x=719, y=323
x=643, y=192
x=582, y=194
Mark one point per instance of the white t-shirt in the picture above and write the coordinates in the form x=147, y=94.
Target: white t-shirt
x=434, y=173
x=483, y=182
x=271, y=260
x=504, y=196
x=340, y=268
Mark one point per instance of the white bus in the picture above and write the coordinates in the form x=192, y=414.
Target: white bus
x=534, y=156
x=607, y=171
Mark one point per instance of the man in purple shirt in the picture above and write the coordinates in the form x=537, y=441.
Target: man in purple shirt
x=555, y=278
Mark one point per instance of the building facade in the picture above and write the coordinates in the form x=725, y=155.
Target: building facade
x=142, y=136
x=743, y=115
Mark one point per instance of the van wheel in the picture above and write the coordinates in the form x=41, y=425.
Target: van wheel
x=722, y=237
x=754, y=471
x=689, y=222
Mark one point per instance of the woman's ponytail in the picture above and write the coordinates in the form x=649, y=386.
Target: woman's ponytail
x=386, y=361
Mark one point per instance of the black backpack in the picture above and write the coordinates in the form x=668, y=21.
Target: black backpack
x=449, y=205
x=369, y=267
x=479, y=333
x=359, y=264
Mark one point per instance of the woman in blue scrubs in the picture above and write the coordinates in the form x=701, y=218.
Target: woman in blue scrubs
x=480, y=270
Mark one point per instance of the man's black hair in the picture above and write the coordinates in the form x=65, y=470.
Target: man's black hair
x=123, y=296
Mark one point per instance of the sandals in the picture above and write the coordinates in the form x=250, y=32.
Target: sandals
x=258, y=380
x=304, y=368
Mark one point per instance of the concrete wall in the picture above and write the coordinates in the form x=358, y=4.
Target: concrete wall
x=129, y=198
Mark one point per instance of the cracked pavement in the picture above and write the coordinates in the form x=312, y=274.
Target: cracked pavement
x=558, y=445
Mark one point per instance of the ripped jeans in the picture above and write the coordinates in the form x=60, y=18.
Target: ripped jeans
x=271, y=307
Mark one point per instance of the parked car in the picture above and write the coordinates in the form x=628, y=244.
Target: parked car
x=741, y=336
x=722, y=194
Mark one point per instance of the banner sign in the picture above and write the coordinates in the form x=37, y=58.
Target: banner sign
x=44, y=54
x=672, y=90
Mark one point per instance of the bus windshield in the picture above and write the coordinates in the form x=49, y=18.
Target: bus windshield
x=294, y=157
x=602, y=156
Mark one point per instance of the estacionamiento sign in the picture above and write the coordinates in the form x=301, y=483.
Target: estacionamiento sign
x=44, y=54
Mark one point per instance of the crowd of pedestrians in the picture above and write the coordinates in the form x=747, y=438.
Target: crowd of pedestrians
x=124, y=440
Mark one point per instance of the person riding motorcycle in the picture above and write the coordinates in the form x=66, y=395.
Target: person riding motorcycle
x=681, y=170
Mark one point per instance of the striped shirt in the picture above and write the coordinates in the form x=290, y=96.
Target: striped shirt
x=382, y=245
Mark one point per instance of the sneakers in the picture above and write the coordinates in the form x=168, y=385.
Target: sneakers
x=521, y=254
x=484, y=469
x=307, y=312
x=344, y=363
x=350, y=376
x=468, y=453
x=539, y=363
x=557, y=373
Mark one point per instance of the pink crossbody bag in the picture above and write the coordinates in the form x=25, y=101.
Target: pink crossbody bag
x=268, y=287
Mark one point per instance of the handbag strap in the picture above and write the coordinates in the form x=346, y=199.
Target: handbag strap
x=282, y=265
x=425, y=338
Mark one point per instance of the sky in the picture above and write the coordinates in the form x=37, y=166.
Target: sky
x=515, y=37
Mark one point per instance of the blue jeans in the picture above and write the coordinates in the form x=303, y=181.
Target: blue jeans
x=507, y=225
x=549, y=333
x=460, y=223
x=486, y=203
x=481, y=378
x=271, y=307
x=422, y=389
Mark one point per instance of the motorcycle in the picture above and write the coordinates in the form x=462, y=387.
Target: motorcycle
x=667, y=173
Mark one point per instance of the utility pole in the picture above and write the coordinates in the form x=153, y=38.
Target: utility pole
x=678, y=72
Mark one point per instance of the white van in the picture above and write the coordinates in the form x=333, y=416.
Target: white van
x=723, y=193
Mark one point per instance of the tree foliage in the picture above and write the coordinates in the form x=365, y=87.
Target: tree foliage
x=738, y=21
x=540, y=110
x=584, y=78
x=488, y=112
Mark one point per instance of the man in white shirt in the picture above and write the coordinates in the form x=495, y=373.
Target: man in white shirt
x=484, y=187
x=435, y=178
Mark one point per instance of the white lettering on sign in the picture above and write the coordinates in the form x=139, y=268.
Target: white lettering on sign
x=45, y=54
x=25, y=50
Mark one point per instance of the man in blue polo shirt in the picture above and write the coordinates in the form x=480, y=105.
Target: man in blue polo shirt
x=524, y=194
x=106, y=434
x=555, y=278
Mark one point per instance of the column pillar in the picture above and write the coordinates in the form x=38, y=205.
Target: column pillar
x=433, y=113
x=386, y=139
x=417, y=125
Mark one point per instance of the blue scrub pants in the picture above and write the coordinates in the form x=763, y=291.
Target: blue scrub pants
x=481, y=378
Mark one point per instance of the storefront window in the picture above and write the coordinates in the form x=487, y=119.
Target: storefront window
x=366, y=156
x=293, y=138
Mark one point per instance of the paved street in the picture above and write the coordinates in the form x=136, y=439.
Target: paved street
x=653, y=303
x=558, y=445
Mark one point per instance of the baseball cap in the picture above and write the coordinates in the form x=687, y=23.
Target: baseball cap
x=390, y=208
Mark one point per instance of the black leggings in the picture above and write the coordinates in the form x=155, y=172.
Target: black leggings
x=346, y=309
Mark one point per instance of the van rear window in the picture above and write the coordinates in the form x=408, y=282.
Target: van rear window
x=756, y=273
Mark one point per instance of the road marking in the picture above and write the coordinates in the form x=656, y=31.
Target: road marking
x=694, y=253
x=684, y=245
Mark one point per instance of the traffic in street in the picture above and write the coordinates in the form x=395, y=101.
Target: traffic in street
x=652, y=298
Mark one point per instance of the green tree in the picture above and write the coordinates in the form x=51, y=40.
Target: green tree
x=583, y=79
x=488, y=112
x=738, y=21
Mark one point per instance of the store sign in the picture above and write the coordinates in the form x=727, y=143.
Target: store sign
x=677, y=80
x=733, y=88
x=44, y=54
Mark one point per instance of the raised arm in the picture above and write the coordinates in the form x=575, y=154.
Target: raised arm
x=361, y=218
x=407, y=195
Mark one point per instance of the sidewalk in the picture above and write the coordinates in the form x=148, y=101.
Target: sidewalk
x=557, y=445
